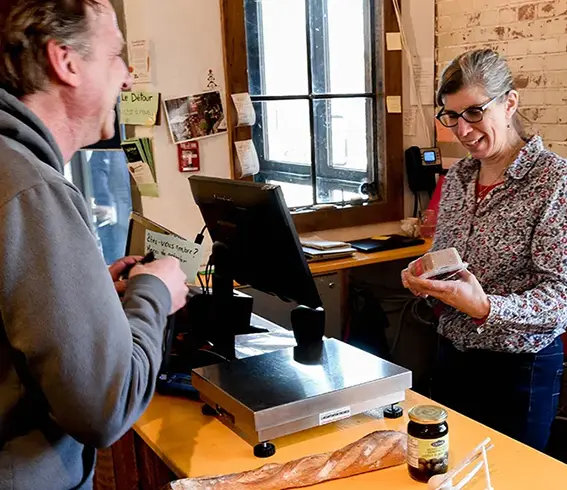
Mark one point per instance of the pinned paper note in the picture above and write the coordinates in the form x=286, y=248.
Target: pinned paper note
x=394, y=104
x=139, y=58
x=393, y=41
x=144, y=179
x=140, y=159
x=424, y=81
x=139, y=108
x=410, y=121
x=188, y=253
x=246, y=115
x=195, y=116
x=248, y=162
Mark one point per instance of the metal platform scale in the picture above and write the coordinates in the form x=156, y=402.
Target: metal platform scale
x=267, y=396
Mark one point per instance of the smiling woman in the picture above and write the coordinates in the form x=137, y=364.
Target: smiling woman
x=504, y=209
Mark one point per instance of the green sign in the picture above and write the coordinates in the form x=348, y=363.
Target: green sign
x=139, y=108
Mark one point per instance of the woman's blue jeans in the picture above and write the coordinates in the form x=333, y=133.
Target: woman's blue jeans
x=516, y=394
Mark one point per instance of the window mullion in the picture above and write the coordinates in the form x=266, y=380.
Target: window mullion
x=308, y=19
x=372, y=138
x=318, y=56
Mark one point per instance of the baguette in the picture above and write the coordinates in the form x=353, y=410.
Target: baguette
x=375, y=451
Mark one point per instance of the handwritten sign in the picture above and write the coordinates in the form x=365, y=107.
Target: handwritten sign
x=139, y=108
x=188, y=253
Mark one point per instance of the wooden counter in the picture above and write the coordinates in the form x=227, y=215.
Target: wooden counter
x=192, y=444
x=359, y=259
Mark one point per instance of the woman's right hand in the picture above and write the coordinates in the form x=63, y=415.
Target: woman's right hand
x=405, y=275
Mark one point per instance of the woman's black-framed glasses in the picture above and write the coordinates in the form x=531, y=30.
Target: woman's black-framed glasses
x=473, y=114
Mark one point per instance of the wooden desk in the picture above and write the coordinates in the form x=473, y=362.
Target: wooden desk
x=359, y=259
x=192, y=444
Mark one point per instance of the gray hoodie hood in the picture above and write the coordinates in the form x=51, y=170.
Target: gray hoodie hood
x=21, y=125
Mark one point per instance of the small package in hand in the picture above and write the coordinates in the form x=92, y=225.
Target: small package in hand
x=440, y=265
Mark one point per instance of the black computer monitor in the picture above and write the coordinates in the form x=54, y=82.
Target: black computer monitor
x=255, y=243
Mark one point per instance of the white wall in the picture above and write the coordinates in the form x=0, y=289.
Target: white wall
x=418, y=17
x=186, y=42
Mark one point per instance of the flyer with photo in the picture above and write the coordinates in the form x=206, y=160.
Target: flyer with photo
x=195, y=116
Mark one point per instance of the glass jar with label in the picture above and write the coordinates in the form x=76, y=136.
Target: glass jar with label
x=428, y=442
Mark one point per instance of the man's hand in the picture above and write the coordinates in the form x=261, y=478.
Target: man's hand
x=118, y=268
x=169, y=271
x=465, y=294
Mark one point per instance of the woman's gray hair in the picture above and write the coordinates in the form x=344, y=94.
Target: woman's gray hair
x=483, y=68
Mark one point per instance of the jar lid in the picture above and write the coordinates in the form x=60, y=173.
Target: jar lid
x=427, y=414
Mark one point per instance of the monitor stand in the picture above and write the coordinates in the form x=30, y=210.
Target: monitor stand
x=222, y=332
x=308, y=324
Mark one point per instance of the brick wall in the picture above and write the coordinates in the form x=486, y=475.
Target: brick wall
x=533, y=37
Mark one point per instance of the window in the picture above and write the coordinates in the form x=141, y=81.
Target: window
x=318, y=76
x=312, y=77
x=103, y=178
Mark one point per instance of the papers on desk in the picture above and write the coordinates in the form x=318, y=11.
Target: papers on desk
x=321, y=244
x=316, y=248
x=314, y=254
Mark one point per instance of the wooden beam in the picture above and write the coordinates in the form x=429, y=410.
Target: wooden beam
x=236, y=70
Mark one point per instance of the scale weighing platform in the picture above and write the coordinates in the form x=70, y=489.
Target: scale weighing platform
x=285, y=391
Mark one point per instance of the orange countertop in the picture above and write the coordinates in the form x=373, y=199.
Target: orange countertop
x=192, y=444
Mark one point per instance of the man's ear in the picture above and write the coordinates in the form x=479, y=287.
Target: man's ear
x=64, y=62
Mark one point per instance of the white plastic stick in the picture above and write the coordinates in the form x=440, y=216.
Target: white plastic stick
x=472, y=456
x=486, y=470
x=477, y=452
x=469, y=477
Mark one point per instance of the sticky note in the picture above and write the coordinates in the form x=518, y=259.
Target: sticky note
x=393, y=41
x=394, y=104
x=139, y=108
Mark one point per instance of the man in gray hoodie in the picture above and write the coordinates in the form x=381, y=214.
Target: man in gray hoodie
x=77, y=365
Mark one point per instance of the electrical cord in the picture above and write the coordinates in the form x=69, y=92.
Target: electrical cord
x=202, y=284
x=214, y=354
x=208, y=274
x=200, y=236
x=199, y=240
x=415, y=201
x=413, y=304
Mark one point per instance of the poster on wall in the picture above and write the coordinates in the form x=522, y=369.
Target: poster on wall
x=139, y=56
x=194, y=117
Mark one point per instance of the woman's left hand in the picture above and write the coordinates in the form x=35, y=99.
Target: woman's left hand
x=465, y=293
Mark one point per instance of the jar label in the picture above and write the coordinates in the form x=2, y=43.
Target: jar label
x=429, y=454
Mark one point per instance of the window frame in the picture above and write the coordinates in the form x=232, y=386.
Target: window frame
x=325, y=172
x=388, y=150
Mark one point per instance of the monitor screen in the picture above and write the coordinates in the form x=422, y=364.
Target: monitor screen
x=429, y=156
x=254, y=223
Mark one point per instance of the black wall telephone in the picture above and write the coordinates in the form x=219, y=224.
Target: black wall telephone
x=421, y=166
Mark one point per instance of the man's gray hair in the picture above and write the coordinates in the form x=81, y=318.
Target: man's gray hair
x=26, y=27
